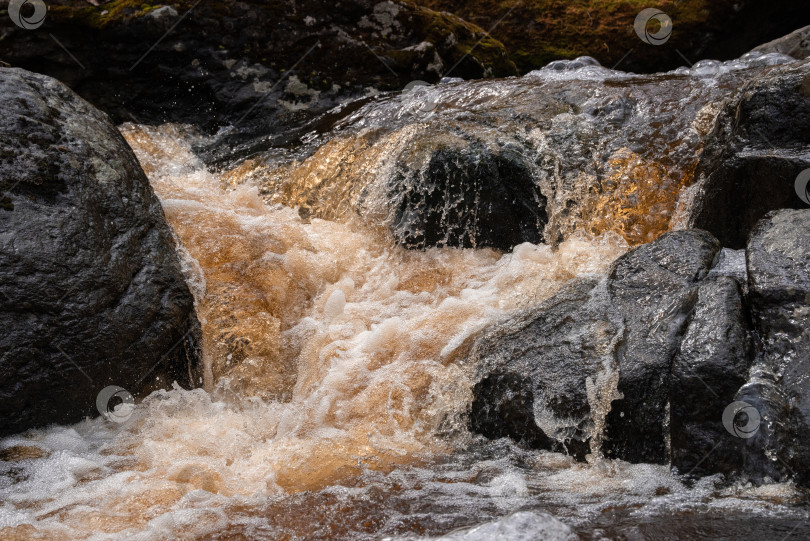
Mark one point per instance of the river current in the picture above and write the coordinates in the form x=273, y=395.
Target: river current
x=335, y=392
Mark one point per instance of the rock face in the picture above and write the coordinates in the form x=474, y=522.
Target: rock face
x=598, y=354
x=91, y=290
x=708, y=370
x=751, y=160
x=655, y=289
x=527, y=391
x=668, y=358
x=779, y=280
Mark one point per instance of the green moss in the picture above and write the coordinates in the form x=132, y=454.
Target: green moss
x=536, y=32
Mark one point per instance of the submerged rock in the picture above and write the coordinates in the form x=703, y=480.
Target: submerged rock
x=571, y=148
x=520, y=526
x=91, y=290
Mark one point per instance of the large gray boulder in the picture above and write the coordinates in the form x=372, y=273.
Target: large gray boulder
x=91, y=289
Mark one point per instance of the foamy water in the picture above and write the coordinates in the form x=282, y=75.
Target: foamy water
x=335, y=389
x=329, y=353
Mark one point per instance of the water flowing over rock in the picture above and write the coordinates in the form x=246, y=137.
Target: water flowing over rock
x=520, y=526
x=754, y=154
x=91, y=289
x=574, y=147
x=665, y=359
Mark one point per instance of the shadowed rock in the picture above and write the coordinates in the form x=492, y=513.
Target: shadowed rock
x=751, y=160
x=710, y=367
x=779, y=281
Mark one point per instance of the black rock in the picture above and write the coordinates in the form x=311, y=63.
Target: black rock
x=267, y=67
x=711, y=366
x=471, y=198
x=537, y=366
x=654, y=288
x=754, y=154
x=598, y=354
x=91, y=289
x=504, y=406
x=779, y=280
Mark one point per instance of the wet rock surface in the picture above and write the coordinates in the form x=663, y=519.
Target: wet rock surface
x=572, y=148
x=91, y=289
x=646, y=363
x=710, y=367
x=267, y=67
x=598, y=354
x=758, y=147
x=654, y=288
x=472, y=198
x=795, y=44
x=778, y=258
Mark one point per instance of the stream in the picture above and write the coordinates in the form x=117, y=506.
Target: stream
x=335, y=393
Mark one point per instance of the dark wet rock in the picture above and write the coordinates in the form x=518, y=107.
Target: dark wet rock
x=471, y=197
x=795, y=44
x=779, y=279
x=526, y=368
x=504, y=407
x=751, y=160
x=91, y=290
x=710, y=367
x=667, y=358
x=277, y=64
x=654, y=287
x=598, y=354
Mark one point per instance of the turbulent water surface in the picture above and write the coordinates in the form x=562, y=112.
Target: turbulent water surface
x=335, y=388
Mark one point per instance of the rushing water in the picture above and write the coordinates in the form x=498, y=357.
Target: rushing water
x=335, y=385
